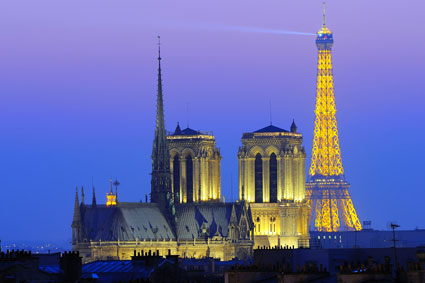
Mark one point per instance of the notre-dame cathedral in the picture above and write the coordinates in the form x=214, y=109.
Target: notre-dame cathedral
x=187, y=215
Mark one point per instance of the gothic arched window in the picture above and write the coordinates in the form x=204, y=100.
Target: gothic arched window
x=258, y=178
x=189, y=178
x=273, y=178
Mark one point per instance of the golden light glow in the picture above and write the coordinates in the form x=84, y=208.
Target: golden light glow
x=331, y=207
x=111, y=199
x=326, y=154
x=324, y=30
x=352, y=215
x=276, y=134
x=327, y=191
x=185, y=137
x=266, y=221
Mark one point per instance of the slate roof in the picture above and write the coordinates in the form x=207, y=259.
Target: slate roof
x=108, y=266
x=53, y=269
x=132, y=221
x=126, y=222
x=112, y=270
x=214, y=216
x=271, y=129
x=185, y=132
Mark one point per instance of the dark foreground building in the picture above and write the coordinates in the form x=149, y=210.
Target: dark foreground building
x=22, y=266
x=331, y=265
x=367, y=238
x=345, y=265
x=269, y=265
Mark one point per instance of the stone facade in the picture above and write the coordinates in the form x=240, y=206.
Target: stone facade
x=272, y=180
x=195, y=166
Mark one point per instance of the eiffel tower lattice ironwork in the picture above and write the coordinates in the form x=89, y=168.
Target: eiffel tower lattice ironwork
x=326, y=188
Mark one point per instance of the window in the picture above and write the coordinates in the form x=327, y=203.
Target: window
x=258, y=178
x=273, y=178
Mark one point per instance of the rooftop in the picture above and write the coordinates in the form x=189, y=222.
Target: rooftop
x=271, y=129
x=189, y=133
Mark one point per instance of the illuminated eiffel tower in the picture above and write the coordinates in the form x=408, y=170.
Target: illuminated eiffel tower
x=326, y=188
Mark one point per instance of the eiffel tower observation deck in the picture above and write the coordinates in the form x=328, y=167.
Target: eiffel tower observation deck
x=327, y=193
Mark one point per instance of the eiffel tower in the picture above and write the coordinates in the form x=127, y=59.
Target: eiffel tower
x=332, y=209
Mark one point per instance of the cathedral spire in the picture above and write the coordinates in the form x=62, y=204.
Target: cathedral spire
x=160, y=121
x=77, y=215
x=160, y=147
x=161, y=175
x=233, y=218
x=76, y=221
x=93, y=202
x=178, y=130
x=82, y=195
x=293, y=126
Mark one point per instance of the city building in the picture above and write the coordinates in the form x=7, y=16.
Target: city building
x=367, y=238
x=272, y=181
x=23, y=266
x=341, y=261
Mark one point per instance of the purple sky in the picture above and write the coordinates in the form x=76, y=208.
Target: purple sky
x=78, y=86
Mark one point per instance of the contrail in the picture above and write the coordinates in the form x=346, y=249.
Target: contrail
x=224, y=28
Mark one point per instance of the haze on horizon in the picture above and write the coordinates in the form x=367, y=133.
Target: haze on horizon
x=78, y=90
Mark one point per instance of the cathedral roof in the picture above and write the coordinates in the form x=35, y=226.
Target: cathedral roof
x=271, y=129
x=192, y=217
x=185, y=132
x=126, y=222
x=132, y=221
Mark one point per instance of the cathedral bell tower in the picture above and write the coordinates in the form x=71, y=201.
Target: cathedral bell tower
x=272, y=181
x=195, y=166
x=161, y=175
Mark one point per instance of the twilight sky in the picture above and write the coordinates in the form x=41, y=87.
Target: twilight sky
x=78, y=87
